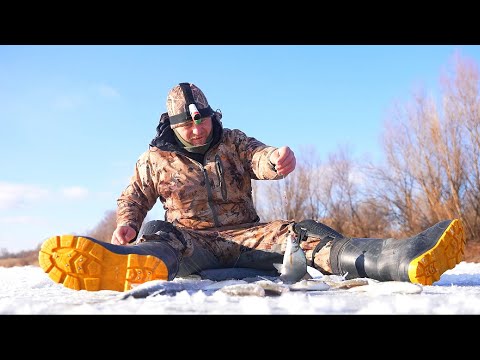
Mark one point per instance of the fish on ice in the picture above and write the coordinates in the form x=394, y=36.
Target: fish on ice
x=294, y=266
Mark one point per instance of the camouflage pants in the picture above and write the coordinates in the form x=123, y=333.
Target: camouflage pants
x=255, y=245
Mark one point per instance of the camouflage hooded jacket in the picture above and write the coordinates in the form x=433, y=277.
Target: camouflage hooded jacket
x=197, y=192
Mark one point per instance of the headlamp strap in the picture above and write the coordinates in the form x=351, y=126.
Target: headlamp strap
x=185, y=116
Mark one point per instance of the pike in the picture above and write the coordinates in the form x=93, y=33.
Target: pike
x=294, y=266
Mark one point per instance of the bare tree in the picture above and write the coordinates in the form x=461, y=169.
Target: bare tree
x=333, y=193
x=346, y=198
x=104, y=229
x=292, y=197
x=432, y=156
x=462, y=109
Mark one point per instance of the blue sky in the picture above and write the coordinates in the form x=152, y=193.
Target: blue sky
x=74, y=119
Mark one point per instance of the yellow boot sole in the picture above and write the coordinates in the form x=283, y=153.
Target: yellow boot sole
x=80, y=263
x=447, y=252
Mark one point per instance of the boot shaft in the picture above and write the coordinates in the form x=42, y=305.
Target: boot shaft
x=373, y=258
x=161, y=250
x=419, y=259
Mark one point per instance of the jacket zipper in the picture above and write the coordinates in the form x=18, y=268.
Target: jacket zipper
x=211, y=204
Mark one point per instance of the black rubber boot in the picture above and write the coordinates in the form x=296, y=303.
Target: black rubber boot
x=422, y=258
x=316, y=229
x=84, y=263
x=312, y=228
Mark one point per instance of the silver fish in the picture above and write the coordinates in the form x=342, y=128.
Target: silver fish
x=294, y=266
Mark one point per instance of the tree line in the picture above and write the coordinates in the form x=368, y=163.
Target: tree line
x=431, y=170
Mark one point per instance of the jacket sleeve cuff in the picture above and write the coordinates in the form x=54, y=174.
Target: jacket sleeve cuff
x=265, y=168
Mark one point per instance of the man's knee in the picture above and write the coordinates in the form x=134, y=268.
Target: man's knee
x=158, y=230
x=154, y=226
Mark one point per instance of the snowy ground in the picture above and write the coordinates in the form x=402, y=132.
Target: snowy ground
x=28, y=290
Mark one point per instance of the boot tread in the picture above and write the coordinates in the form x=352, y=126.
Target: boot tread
x=448, y=251
x=82, y=263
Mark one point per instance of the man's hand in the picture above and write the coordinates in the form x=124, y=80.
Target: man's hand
x=284, y=160
x=123, y=234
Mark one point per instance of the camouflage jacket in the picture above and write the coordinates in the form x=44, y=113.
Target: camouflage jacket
x=214, y=193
